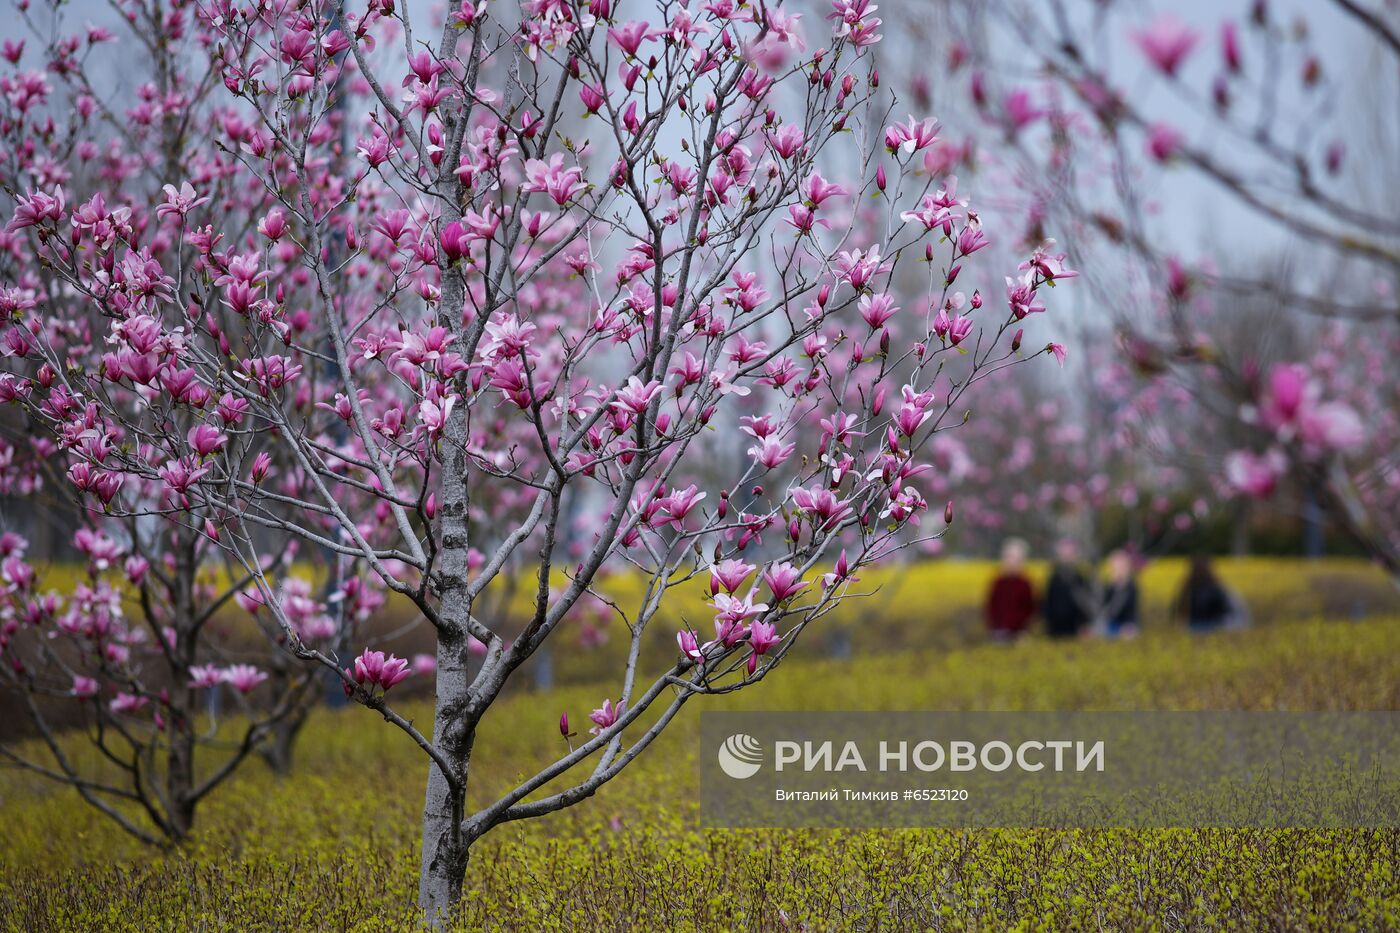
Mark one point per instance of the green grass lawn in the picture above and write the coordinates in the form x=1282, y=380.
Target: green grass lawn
x=334, y=845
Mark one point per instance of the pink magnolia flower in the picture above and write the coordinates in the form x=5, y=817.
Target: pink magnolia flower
x=101, y=551
x=180, y=475
x=822, y=505
x=729, y=575
x=243, y=677
x=1254, y=474
x=181, y=202
x=560, y=183
x=273, y=225
x=204, y=676
x=630, y=36
x=680, y=504
x=433, y=414
x=877, y=310
x=1289, y=391
x=958, y=329
x=1331, y=426
x=593, y=97
x=636, y=395
x=36, y=207
x=374, y=669
x=136, y=568
x=126, y=703
x=84, y=687
x=206, y=439
x=1163, y=141
x=971, y=239
x=840, y=572
x=1021, y=296
x=859, y=267
x=605, y=716
x=770, y=452
x=734, y=610
x=424, y=664
x=854, y=22
x=911, y=136
x=786, y=141
x=1019, y=109
x=817, y=190
x=1166, y=42
x=784, y=581
x=689, y=645
x=763, y=636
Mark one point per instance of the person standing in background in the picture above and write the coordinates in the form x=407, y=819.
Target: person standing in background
x=1067, y=594
x=1011, y=600
x=1203, y=602
x=1120, y=598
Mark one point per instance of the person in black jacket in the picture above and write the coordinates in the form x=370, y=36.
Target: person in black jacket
x=1066, y=595
x=1203, y=602
x=1120, y=597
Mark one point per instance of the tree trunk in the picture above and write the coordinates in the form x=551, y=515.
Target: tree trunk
x=1239, y=528
x=444, y=845
x=277, y=748
x=444, y=857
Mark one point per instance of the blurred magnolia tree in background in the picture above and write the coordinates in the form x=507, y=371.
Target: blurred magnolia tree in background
x=1225, y=175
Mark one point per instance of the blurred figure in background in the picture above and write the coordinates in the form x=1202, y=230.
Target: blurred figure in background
x=1203, y=602
x=1011, y=600
x=1120, y=597
x=1067, y=594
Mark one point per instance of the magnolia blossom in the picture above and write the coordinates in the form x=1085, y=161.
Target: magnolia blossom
x=729, y=575
x=204, y=676
x=689, y=646
x=605, y=716
x=560, y=183
x=373, y=669
x=784, y=580
x=243, y=677
x=1255, y=474
x=1166, y=42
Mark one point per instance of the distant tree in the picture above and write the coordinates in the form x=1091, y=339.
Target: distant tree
x=1105, y=112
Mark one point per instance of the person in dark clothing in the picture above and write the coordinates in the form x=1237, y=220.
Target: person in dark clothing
x=1066, y=595
x=1203, y=602
x=1120, y=598
x=1011, y=600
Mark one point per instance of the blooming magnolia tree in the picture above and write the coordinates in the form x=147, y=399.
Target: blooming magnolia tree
x=1097, y=458
x=495, y=306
